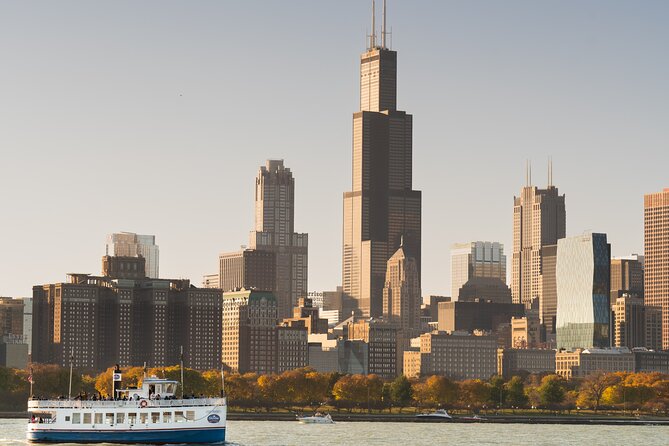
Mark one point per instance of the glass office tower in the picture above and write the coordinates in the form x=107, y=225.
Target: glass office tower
x=583, y=292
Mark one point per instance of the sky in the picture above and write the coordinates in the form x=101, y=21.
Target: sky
x=153, y=117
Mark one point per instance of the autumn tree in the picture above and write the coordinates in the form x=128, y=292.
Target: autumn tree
x=515, y=392
x=593, y=387
x=436, y=391
x=474, y=393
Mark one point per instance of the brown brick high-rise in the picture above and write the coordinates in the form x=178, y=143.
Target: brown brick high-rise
x=656, y=247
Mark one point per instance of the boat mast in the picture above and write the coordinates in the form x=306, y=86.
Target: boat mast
x=69, y=392
x=181, y=358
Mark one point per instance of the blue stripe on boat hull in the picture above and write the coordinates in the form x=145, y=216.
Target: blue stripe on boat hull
x=139, y=436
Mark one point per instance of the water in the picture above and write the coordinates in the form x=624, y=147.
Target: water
x=289, y=433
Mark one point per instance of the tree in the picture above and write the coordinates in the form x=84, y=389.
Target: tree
x=400, y=390
x=551, y=391
x=270, y=391
x=515, y=392
x=436, y=391
x=497, y=391
x=593, y=387
x=474, y=393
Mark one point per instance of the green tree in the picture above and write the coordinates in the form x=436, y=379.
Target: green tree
x=515, y=392
x=497, y=391
x=400, y=390
x=551, y=391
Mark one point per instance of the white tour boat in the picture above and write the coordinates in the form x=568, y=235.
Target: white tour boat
x=150, y=414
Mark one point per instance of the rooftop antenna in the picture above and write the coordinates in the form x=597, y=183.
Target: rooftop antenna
x=527, y=173
x=383, y=27
x=550, y=171
x=530, y=172
x=372, y=40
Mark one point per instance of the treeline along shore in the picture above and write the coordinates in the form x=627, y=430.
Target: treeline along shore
x=643, y=396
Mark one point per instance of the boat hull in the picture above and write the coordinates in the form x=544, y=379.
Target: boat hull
x=150, y=436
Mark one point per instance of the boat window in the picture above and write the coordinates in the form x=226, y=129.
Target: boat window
x=170, y=388
x=67, y=418
x=167, y=417
x=87, y=418
x=109, y=418
x=155, y=417
x=179, y=417
x=143, y=416
x=132, y=418
x=190, y=415
x=120, y=418
x=76, y=418
x=152, y=389
x=98, y=418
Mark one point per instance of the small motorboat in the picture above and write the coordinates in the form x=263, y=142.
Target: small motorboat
x=317, y=418
x=437, y=415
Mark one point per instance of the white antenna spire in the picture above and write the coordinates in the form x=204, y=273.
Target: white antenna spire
x=372, y=44
x=383, y=27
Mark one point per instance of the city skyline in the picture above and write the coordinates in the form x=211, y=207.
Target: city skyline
x=161, y=144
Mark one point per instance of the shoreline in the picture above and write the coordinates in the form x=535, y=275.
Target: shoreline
x=410, y=418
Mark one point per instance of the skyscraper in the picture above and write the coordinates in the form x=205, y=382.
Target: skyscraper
x=656, y=247
x=381, y=207
x=539, y=221
x=401, y=294
x=476, y=259
x=626, y=276
x=274, y=232
x=128, y=244
x=583, y=291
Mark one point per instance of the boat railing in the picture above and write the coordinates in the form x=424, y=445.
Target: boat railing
x=139, y=404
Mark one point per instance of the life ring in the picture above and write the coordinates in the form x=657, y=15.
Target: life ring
x=143, y=403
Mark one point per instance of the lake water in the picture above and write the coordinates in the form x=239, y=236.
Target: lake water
x=280, y=433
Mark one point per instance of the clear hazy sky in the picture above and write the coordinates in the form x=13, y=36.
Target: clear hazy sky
x=154, y=116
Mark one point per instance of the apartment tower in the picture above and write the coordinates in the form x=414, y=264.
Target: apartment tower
x=274, y=232
x=381, y=207
x=656, y=247
x=539, y=221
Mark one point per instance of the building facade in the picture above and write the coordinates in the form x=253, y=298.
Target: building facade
x=401, y=293
x=476, y=260
x=101, y=321
x=455, y=356
x=470, y=316
x=539, y=221
x=249, y=332
x=626, y=276
x=583, y=363
x=656, y=250
x=583, y=285
x=274, y=232
x=129, y=244
x=248, y=268
x=511, y=361
x=635, y=324
x=382, y=207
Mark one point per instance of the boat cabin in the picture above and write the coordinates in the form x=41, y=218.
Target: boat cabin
x=153, y=388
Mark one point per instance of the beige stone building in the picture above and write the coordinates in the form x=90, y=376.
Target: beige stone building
x=457, y=356
x=539, y=221
x=656, y=250
x=401, y=294
x=583, y=363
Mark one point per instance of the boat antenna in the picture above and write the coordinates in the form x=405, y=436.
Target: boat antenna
x=181, y=359
x=69, y=392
